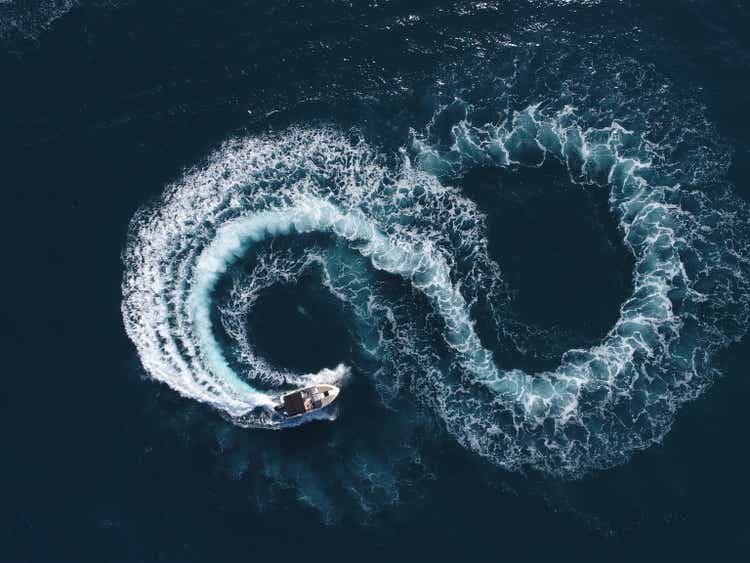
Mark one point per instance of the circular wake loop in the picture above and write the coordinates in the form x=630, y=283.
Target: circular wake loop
x=691, y=276
x=597, y=407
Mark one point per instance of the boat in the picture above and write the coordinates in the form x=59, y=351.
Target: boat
x=306, y=400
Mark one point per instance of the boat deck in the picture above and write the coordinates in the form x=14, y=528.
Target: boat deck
x=308, y=399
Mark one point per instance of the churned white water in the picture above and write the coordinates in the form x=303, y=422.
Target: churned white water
x=599, y=405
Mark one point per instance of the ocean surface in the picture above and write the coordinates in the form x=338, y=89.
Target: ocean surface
x=515, y=233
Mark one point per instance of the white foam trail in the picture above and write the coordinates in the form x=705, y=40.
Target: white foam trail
x=641, y=372
x=598, y=405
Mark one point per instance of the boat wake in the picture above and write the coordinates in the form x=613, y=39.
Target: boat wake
x=267, y=209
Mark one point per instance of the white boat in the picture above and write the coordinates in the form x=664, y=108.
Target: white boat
x=306, y=400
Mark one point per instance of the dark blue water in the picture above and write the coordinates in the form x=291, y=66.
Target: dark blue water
x=391, y=113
